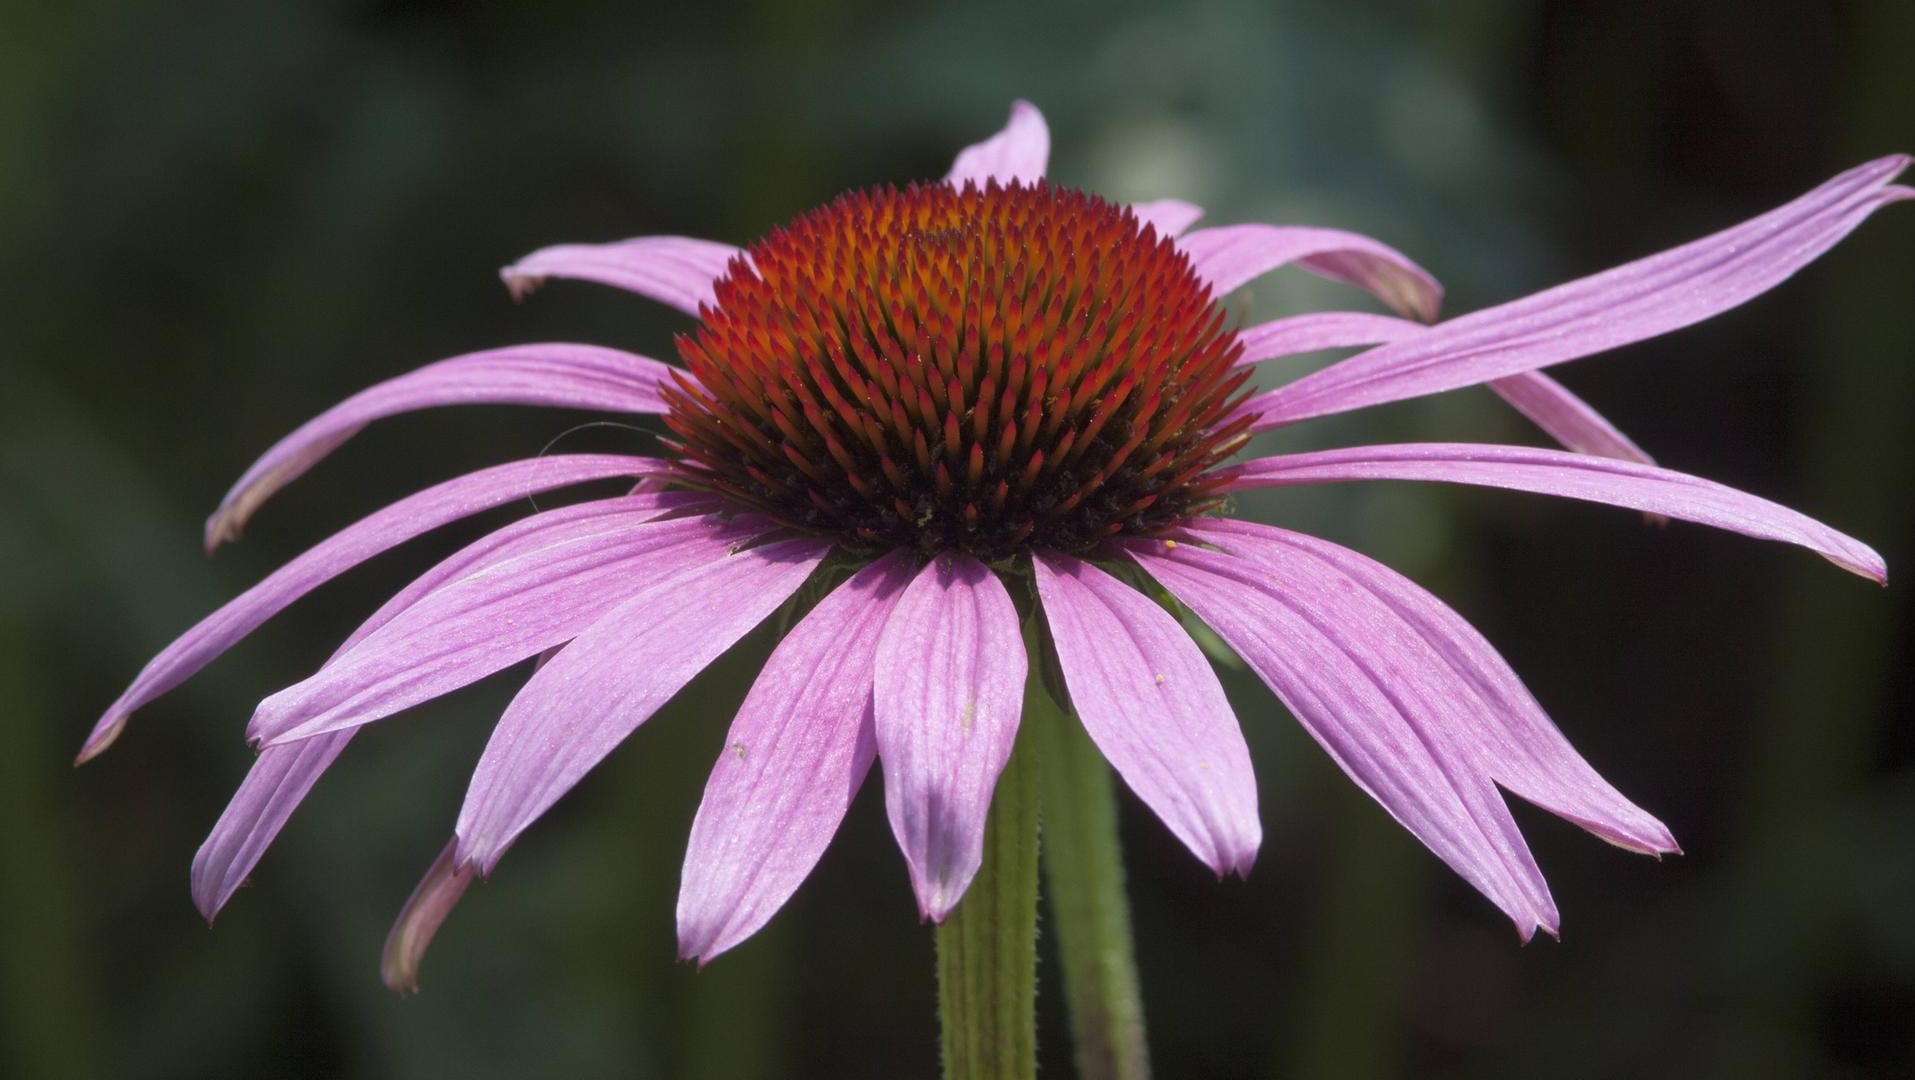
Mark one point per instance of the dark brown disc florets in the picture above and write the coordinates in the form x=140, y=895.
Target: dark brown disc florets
x=977, y=370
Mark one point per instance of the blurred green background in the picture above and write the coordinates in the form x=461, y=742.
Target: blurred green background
x=217, y=219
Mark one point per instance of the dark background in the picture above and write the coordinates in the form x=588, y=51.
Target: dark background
x=217, y=219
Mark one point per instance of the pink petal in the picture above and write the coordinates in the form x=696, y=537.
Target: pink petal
x=1170, y=217
x=794, y=757
x=282, y=776
x=1562, y=415
x=1566, y=418
x=1230, y=255
x=425, y=911
x=1019, y=152
x=501, y=612
x=1152, y=704
x=1296, y=334
x=274, y=787
x=1629, y=303
x=1370, y=702
x=674, y=270
x=1506, y=735
x=1574, y=476
x=403, y=520
x=613, y=676
x=948, y=695
x=562, y=376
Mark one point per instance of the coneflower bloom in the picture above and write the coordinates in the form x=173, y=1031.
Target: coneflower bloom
x=958, y=410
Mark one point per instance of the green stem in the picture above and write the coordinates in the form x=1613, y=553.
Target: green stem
x=987, y=948
x=1084, y=875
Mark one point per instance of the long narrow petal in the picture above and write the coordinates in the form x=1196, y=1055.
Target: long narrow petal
x=1230, y=255
x=1573, y=476
x=1566, y=418
x=562, y=376
x=424, y=912
x=1170, y=217
x=1021, y=151
x=1367, y=703
x=1295, y=334
x=948, y=696
x=1507, y=737
x=674, y=270
x=274, y=787
x=614, y=676
x=282, y=776
x=1629, y=303
x=500, y=613
x=1548, y=404
x=403, y=520
x=795, y=756
x=1152, y=704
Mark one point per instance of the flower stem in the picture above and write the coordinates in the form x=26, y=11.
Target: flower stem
x=1084, y=874
x=987, y=948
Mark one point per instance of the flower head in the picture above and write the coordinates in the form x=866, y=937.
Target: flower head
x=975, y=413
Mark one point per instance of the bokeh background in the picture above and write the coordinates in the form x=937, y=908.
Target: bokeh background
x=216, y=219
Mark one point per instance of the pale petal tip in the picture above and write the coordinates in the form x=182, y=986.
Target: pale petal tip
x=424, y=912
x=102, y=737
x=519, y=283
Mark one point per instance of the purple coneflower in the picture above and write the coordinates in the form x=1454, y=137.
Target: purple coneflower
x=961, y=411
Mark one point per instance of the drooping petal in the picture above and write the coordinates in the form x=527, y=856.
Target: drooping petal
x=282, y=776
x=1510, y=739
x=1295, y=334
x=674, y=270
x=1169, y=216
x=501, y=612
x=1021, y=151
x=1152, y=704
x=1566, y=418
x=278, y=781
x=1574, y=476
x=947, y=699
x=424, y=912
x=403, y=520
x=1367, y=702
x=612, y=677
x=794, y=758
x=1227, y=256
x=1630, y=303
x=1562, y=415
x=562, y=376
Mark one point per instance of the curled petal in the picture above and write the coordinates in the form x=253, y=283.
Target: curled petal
x=562, y=376
x=615, y=675
x=1504, y=733
x=1020, y=152
x=1152, y=704
x=795, y=756
x=1170, y=217
x=1369, y=703
x=424, y=912
x=1230, y=255
x=1630, y=303
x=674, y=270
x=1572, y=476
x=948, y=696
x=403, y=520
x=500, y=612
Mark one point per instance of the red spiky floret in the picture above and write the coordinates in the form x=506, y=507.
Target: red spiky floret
x=976, y=370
